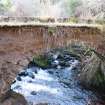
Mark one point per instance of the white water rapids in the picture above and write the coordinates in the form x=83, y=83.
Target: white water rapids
x=55, y=86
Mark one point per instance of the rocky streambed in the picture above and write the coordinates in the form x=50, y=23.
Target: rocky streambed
x=53, y=82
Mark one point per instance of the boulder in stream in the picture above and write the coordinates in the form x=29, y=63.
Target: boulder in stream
x=93, y=72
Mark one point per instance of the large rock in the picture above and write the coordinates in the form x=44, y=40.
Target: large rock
x=8, y=72
x=93, y=72
x=9, y=68
x=12, y=98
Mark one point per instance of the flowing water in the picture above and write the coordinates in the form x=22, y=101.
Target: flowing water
x=53, y=86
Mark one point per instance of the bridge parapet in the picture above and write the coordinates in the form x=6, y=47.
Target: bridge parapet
x=19, y=42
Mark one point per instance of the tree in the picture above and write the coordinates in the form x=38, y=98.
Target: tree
x=5, y=5
x=72, y=5
x=94, y=9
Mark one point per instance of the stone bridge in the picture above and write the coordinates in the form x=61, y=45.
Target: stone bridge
x=19, y=42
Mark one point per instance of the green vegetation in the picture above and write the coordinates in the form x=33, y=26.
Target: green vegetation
x=51, y=30
x=99, y=79
x=73, y=20
x=42, y=61
x=72, y=6
x=5, y=5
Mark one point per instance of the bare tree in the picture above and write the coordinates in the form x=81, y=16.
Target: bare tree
x=92, y=9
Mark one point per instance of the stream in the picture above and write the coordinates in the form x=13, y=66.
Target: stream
x=58, y=85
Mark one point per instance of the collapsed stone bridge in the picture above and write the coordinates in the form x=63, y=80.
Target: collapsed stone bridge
x=18, y=43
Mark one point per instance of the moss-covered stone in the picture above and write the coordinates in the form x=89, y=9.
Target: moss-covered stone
x=99, y=80
x=93, y=72
x=41, y=61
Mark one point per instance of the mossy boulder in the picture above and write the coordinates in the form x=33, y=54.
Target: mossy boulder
x=42, y=61
x=93, y=72
x=99, y=80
